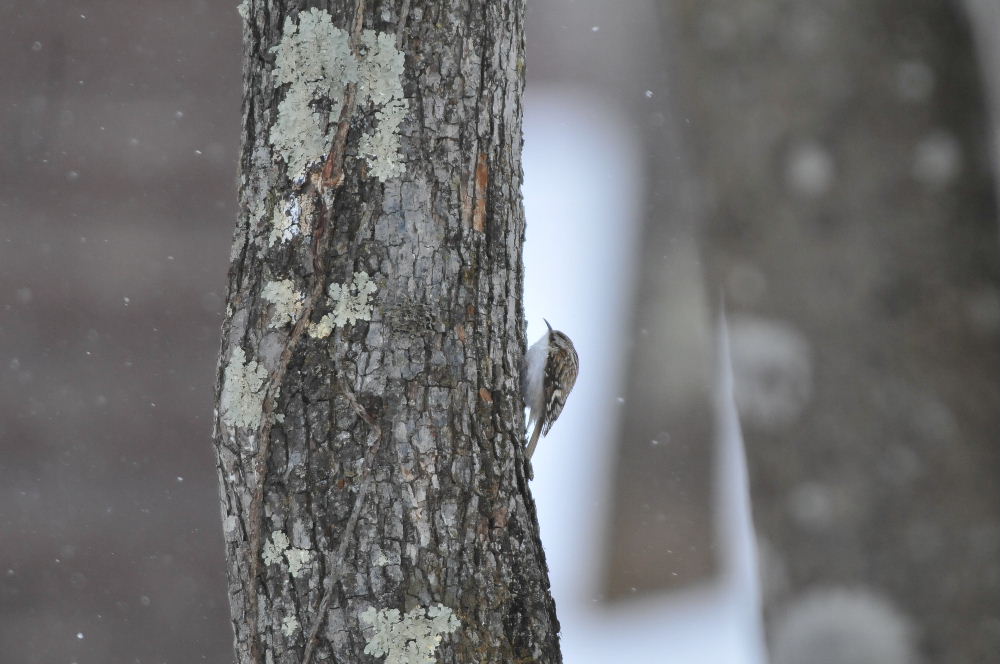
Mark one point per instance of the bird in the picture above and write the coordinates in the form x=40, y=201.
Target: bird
x=547, y=376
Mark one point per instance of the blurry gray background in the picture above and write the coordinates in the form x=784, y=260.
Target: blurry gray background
x=824, y=167
x=119, y=127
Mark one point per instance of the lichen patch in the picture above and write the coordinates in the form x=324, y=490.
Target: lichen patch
x=314, y=60
x=350, y=300
x=381, y=84
x=286, y=300
x=410, y=638
x=274, y=548
x=323, y=328
x=286, y=222
x=278, y=549
x=298, y=561
x=289, y=626
x=243, y=390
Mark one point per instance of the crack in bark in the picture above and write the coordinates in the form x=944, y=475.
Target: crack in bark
x=333, y=169
x=404, y=12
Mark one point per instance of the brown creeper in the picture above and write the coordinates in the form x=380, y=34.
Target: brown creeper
x=549, y=372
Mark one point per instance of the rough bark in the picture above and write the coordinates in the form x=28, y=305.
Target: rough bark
x=369, y=425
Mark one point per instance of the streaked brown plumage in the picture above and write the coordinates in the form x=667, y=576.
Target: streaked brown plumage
x=549, y=373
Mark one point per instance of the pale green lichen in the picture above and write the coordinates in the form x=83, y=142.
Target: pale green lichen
x=350, y=301
x=274, y=548
x=381, y=83
x=314, y=59
x=298, y=561
x=285, y=222
x=278, y=549
x=242, y=391
x=289, y=626
x=243, y=9
x=286, y=300
x=410, y=638
x=323, y=328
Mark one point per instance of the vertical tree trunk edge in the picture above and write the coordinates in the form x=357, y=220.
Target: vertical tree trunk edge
x=368, y=417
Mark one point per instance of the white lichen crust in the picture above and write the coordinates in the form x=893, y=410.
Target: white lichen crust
x=323, y=328
x=242, y=391
x=274, y=549
x=314, y=60
x=286, y=300
x=285, y=222
x=278, y=549
x=289, y=626
x=381, y=84
x=350, y=301
x=410, y=638
x=298, y=561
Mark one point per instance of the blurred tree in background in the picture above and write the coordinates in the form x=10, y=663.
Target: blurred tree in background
x=846, y=187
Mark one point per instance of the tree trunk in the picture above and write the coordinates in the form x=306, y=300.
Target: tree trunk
x=369, y=423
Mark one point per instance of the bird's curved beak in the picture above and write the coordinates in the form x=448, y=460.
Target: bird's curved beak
x=549, y=326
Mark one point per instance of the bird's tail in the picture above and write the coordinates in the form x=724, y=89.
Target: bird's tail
x=534, y=437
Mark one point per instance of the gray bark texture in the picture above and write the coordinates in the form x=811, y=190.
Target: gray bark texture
x=378, y=465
